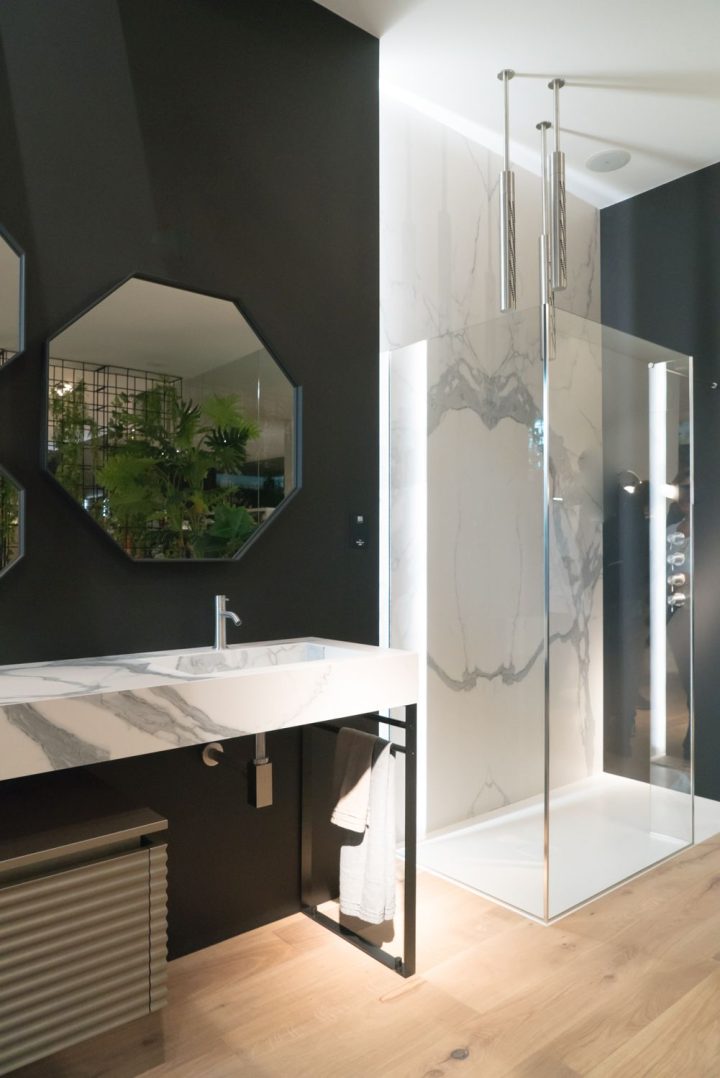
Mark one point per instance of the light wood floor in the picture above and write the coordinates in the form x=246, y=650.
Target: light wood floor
x=627, y=987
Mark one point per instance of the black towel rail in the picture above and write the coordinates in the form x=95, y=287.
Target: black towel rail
x=405, y=964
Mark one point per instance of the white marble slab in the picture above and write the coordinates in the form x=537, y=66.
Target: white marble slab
x=86, y=711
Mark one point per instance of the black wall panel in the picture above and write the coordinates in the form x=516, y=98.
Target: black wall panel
x=233, y=148
x=661, y=281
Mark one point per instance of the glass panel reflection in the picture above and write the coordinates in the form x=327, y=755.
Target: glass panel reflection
x=170, y=423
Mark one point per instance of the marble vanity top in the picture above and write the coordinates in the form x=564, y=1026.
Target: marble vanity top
x=72, y=712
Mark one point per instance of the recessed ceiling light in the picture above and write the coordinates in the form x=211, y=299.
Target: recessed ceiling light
x=608, y=160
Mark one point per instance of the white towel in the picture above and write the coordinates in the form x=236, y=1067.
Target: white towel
x=367, y=866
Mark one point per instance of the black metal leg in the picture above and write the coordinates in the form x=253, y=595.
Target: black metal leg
x=405, y=966
x=408, y=966
x=307, y=897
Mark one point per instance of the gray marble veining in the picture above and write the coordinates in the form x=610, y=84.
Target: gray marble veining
x=59, y=747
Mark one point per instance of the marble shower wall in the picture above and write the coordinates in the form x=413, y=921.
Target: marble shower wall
x=482, y=377
x=485, y=733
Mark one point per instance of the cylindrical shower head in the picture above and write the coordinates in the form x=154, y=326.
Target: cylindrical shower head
x=508, y=291
x=558, y=207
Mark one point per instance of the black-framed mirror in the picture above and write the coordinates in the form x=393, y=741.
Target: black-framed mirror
x=170, y=422
x=12, y=522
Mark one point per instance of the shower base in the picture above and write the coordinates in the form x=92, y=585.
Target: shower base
x=602, y=830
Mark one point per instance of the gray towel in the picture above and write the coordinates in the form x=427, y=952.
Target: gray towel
x=353, y=762
x=367, y=866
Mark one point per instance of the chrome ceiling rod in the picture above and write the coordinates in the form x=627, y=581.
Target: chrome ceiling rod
x=508, y=289
x=558, y=226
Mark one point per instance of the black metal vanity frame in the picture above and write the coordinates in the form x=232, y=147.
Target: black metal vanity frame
x=405, y=966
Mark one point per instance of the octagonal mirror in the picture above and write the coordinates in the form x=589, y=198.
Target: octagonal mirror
x=11, y=521
x=170, y=423
x=11, y=299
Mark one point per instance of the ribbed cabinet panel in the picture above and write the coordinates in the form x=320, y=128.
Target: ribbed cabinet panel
x=82, y=949
x=158, y=927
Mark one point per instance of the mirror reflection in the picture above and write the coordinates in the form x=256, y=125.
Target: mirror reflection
x=11, y=293
x=11, y=522
x=647, y=572
x=170, y=423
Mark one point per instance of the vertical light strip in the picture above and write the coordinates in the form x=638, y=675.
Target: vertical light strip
x=657, y=375
x=384, y=505
x=404, y=529
x=421, y=518
x=691, y=410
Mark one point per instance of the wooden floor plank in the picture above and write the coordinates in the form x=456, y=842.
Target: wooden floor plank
x=377, y=1037
x=684, y=1040
x=626, y=987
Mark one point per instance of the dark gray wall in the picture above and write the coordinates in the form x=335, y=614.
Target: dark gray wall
x=231, y=147
x=661, y=281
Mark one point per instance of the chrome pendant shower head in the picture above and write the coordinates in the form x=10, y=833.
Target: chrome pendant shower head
x=558, y=209
x=508, y=287
x=545, y=293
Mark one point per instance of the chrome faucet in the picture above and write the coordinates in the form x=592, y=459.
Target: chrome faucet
x=222, y=617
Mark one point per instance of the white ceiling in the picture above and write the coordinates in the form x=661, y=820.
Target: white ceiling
x=643, y=75
x=153, y=327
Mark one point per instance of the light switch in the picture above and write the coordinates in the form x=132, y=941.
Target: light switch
x=359, y=531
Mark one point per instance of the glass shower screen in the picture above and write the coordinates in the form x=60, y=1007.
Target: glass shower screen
x=620, y=608
x=559, y=605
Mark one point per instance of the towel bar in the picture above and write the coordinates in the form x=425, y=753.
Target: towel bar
x=404, y=965
x=393, y=747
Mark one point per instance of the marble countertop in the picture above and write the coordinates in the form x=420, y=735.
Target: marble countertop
x=55, y=715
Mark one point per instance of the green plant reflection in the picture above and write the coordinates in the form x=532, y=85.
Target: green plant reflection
x=163, y=469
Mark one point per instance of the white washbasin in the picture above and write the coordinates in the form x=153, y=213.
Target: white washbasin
x=81, y=711
x=233, y=660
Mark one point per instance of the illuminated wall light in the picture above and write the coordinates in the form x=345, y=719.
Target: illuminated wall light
x=657, y=375
x=403, y=499
x=384, y=503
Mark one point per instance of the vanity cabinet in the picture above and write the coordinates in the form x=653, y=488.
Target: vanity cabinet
x=83, y=932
